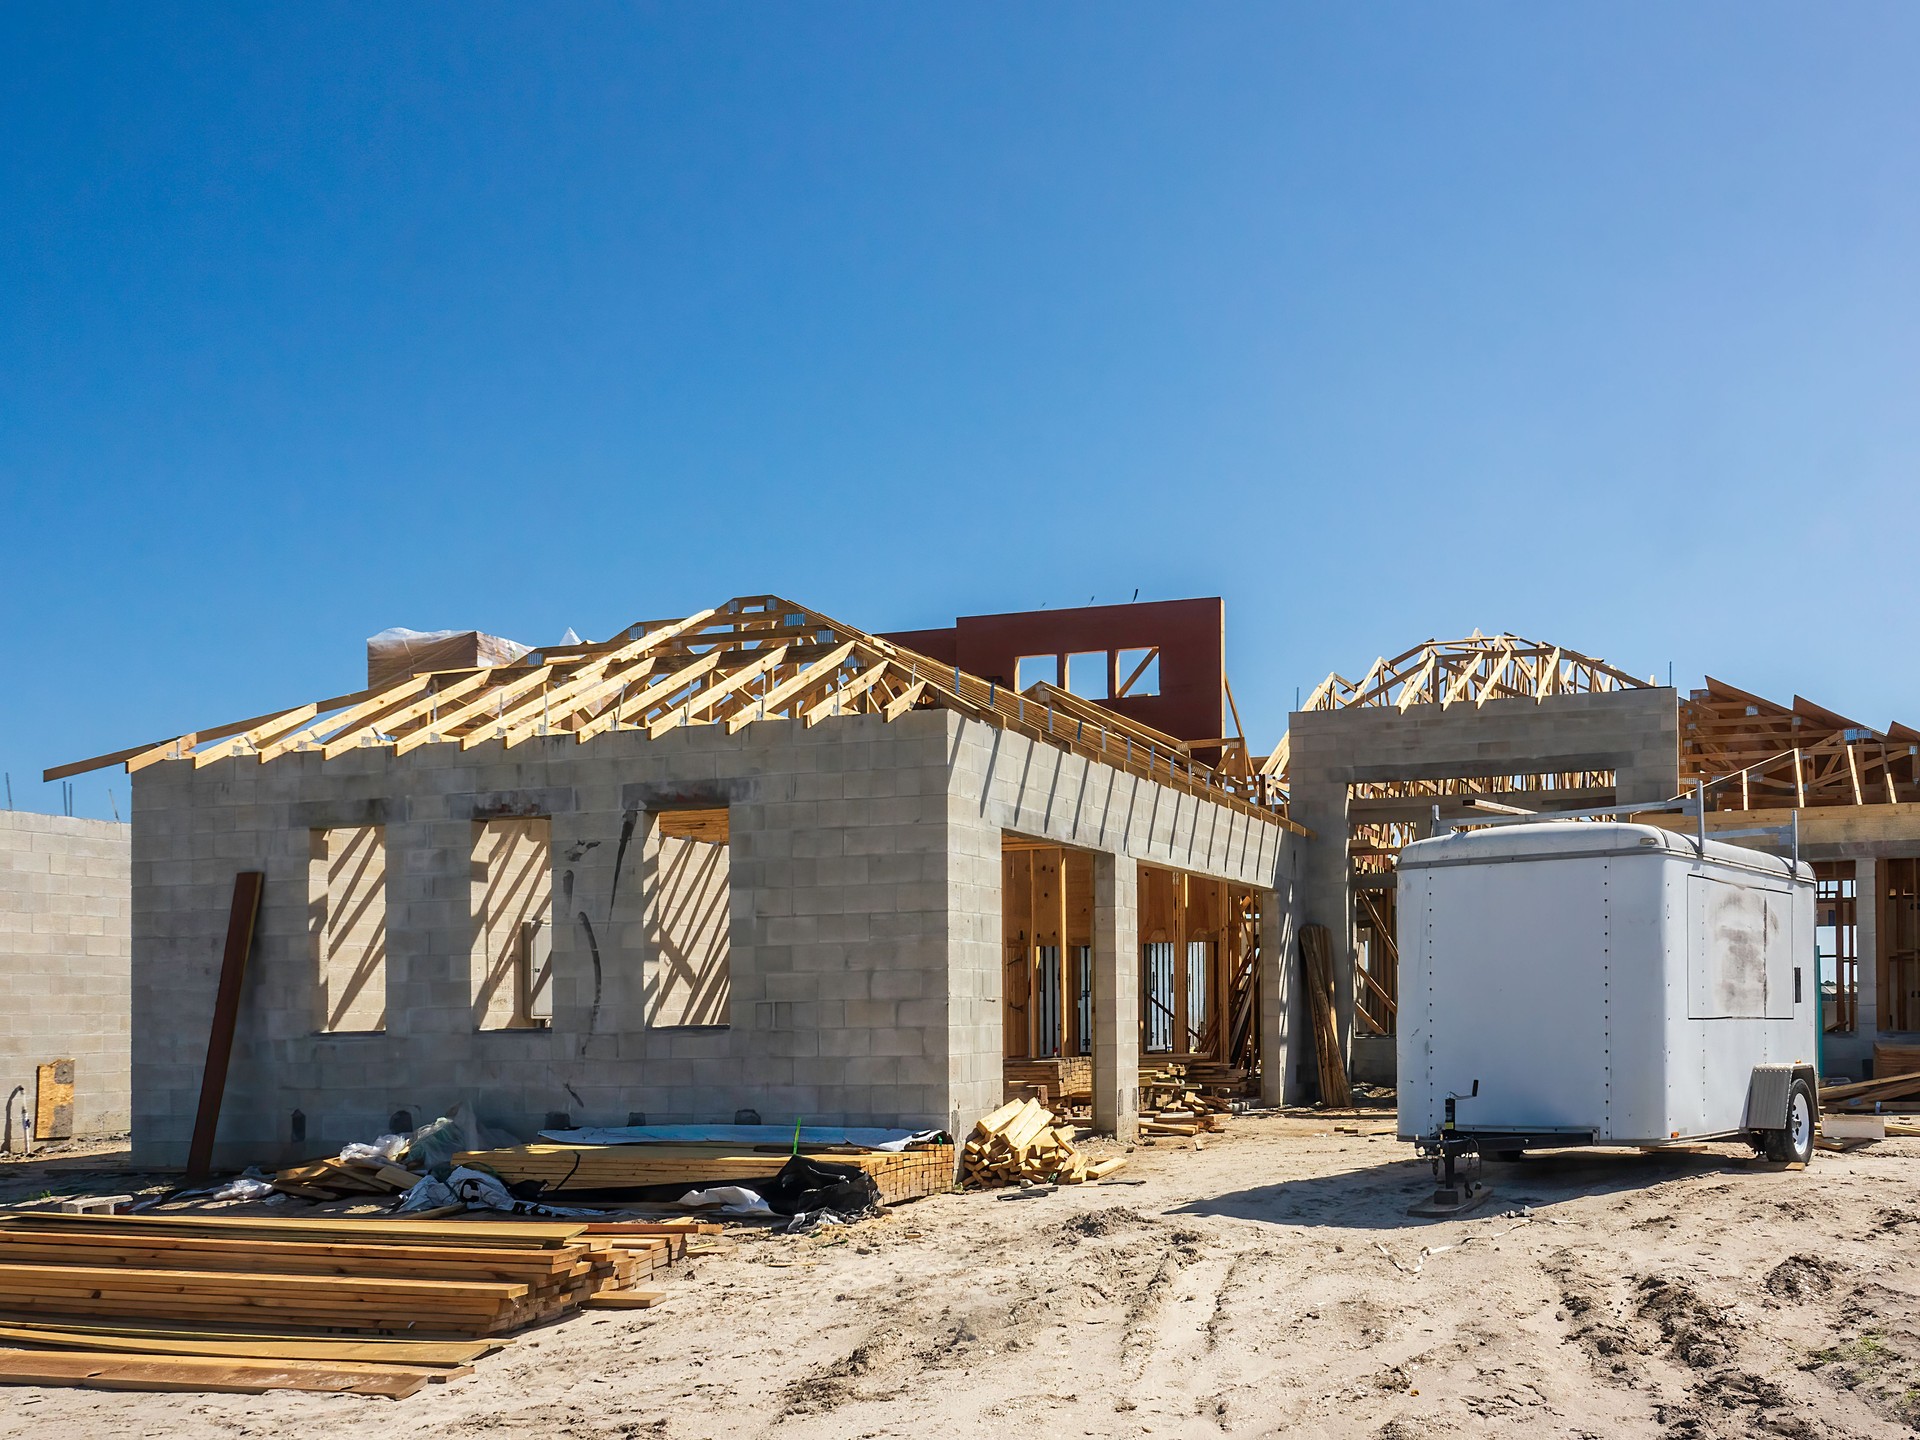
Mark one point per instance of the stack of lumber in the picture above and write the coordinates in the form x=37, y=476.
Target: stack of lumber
x=1316, y=962
x=1067, y=1079
x=1891, y=1059
x=1195, y=1115
x=333, y=1179
x=900, y=1174
x=1020, y=1141
x=466, y=1279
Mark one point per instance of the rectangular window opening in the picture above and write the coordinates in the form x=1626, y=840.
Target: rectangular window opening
x=1029, y=668
x=1159, y=957
x=1083, y=999
x=1837, y=937
x=511, y=963
x=1199, y=996
x=1088, y=674
x=347, y=926
x=1046, y=995
x=689, y=918
x=1138, y=672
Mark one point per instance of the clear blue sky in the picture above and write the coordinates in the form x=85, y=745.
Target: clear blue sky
x=1599, y=323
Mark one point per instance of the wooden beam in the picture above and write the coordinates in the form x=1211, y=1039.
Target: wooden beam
x=794, y=685
x=241, y=918
x=726, y=685
x=852, y=690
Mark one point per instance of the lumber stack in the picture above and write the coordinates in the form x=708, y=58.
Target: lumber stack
x=1021, y=1141
x=900, y=1174
x=1194, y=1114
x=1891, y=1059
x=449, y=1279
x=1067, y=1079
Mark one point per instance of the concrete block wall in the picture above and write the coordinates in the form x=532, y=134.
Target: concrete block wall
x=839, y=899
x=64, y=948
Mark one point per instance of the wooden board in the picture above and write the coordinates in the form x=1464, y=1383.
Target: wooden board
x=53, y=1101
x=221, y=1376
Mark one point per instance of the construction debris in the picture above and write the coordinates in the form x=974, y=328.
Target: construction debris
x=613, y=1169
x=1021, y=1142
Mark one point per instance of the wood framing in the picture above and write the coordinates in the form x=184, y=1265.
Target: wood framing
x=755, y=658
x=1755, y=754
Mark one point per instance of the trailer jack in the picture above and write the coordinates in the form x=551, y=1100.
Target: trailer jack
x=1454, y=1193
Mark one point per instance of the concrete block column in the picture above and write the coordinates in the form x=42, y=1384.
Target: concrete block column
x=1279, y=998
x=1866, y=914
x=1116, y=996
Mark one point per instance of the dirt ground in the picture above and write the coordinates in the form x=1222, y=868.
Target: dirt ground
x=1270, y=1283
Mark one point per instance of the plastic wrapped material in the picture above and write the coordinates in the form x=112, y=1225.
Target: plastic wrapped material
x=249, y=1186
x=387, y=1149
x=397, y=653
x=433, y=1146
x=727, y=1200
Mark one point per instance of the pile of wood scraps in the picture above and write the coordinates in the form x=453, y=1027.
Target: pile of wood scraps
x=335, y=1179
x=252, y=1304
x=1869, y=1094
x=1022, y=1141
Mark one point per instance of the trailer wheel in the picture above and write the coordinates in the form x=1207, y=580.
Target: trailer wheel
x=1794, y=1143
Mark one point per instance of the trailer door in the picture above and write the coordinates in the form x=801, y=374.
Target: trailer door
x=1516, y=992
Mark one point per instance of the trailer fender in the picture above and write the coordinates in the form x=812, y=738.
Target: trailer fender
x=1768, y=1089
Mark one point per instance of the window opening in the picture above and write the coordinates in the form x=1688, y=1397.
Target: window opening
x=1083, y=999
x=1089, y=674
x=1029, y=668
x=1159, y=956
x=1046, y=996
x=511, y=962
x=689, y=909
x=1199, y=994
x=347, y=926
x=1139, y=672
x=1837, y=934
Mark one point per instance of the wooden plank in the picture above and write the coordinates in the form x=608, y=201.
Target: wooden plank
x=192, y=1373
x=129, y=1339
x=53, y=1101
x=226, y=1014
x=624, y=1300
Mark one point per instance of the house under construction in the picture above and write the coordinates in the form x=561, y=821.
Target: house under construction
x=756, y=860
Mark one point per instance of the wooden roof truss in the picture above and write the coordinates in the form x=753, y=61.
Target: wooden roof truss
x=754, y=658
x=1755, y=754
x=1463, y=672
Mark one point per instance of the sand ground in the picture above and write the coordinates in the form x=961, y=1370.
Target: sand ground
x=1270, y=1283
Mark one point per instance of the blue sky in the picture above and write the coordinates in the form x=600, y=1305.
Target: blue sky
x=1598, y=323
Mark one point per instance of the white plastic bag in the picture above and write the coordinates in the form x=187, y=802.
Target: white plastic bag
x=387, y=1149
x=728, y=1200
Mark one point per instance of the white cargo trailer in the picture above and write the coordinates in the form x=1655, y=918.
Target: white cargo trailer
x=1601, y=983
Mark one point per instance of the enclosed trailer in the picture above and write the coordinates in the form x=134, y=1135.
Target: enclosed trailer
x=1600, y=983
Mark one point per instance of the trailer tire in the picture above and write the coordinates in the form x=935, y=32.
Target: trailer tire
x=1794, y=1142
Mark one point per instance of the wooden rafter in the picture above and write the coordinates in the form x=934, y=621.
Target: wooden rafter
x=756, y=658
